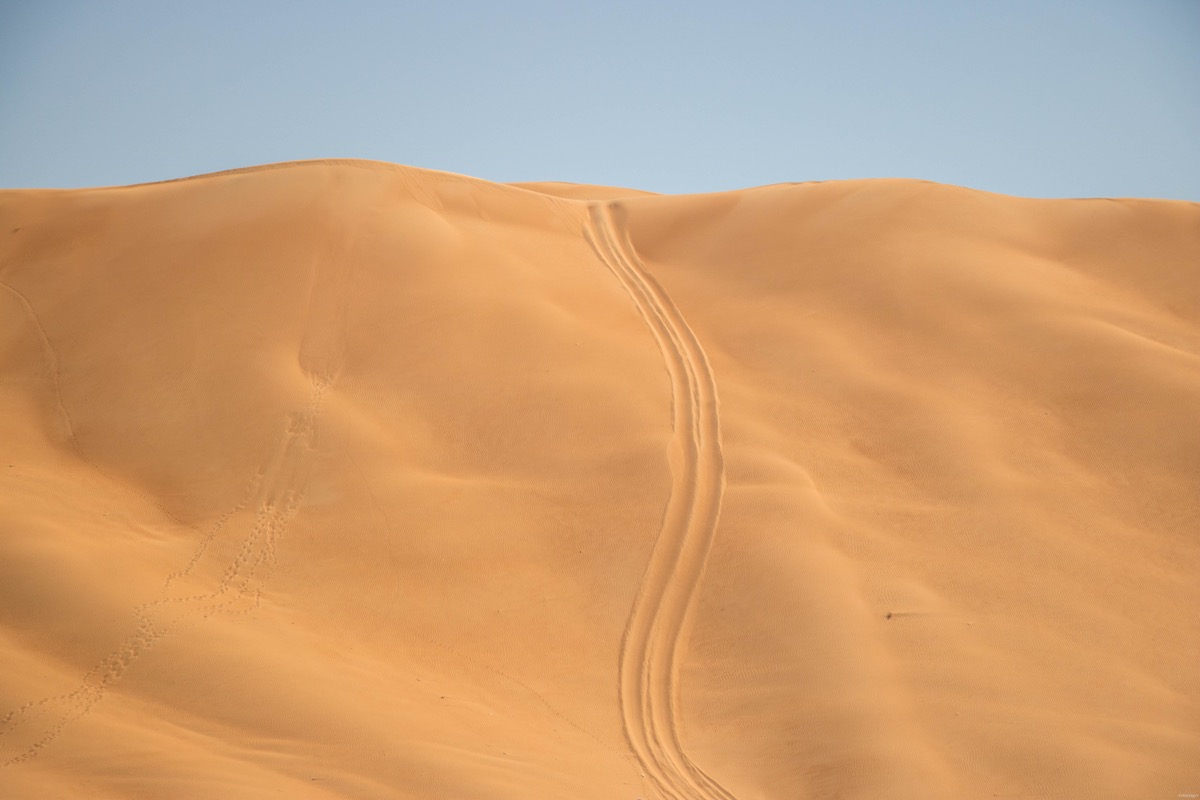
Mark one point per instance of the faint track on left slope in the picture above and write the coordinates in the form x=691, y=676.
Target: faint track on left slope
x=275, y=493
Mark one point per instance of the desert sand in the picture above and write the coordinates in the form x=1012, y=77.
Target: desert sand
x=342, y=479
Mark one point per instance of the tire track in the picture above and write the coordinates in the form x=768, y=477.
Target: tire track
x=655, y=637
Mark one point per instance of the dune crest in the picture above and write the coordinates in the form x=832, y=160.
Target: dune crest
x=345, y=479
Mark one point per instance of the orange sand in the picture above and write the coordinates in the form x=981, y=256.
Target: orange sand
x=349, y=480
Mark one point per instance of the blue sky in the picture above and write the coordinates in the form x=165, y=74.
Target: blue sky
x=1042, y=99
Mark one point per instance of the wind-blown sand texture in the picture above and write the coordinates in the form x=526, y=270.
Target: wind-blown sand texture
x=348, y=480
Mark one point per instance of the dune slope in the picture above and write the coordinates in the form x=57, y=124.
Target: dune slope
x=349, y=480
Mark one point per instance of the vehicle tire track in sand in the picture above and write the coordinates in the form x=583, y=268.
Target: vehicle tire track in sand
x=655, y=637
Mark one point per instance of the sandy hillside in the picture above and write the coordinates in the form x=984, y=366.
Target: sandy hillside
x=347, y=480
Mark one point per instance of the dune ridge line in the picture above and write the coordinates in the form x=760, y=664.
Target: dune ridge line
x=655, y=637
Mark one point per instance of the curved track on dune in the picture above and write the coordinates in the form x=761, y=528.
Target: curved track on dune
x=655, y=637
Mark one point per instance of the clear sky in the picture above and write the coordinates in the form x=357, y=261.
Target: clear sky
x=1045, y=99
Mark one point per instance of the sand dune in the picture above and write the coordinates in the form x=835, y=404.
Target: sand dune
x=349, y=480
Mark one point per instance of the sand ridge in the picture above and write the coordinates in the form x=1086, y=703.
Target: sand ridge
x=347, y=479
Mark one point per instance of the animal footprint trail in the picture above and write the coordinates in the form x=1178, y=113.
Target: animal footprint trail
x=655, y=637
x=276, y=494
